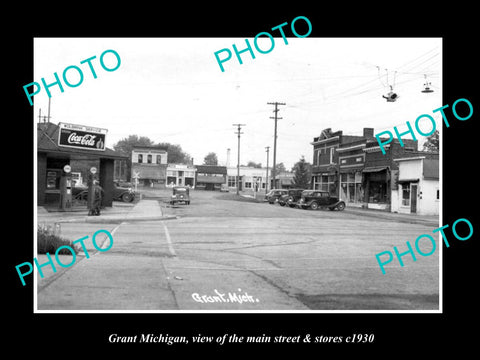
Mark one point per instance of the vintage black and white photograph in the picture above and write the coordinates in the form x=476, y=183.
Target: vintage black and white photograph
x=277, y=173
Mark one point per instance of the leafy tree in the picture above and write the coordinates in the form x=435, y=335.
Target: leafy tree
x=254, y=164
x=432, y=142
x=210, y=159
x=302, y=173
x=175, y=153
x=280, y=168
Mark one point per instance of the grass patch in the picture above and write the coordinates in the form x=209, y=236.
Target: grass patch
x=49, y=240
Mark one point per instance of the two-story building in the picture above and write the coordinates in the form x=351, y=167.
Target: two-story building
x=149, y=165
x=326, y=167
x=379, y=168
x=354, y=168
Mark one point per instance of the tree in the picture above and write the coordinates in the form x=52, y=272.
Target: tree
x=280, y=168
x=175, y=153
x=254, y=164
x=126, y=145
x=302, y=173
x=432, y=143
x=210, y=159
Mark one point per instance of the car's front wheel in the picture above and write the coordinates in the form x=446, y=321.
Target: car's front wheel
x=314, y=206
x=127, y=197
x=341, y=206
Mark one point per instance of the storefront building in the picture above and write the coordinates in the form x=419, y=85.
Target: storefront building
x=417, y=190
x=251, y=179
x=354, y=168
x=328, y=167
x=378, y=171
x=149, y=166
x=81, y=148
x=210, y=177
x=181, y=175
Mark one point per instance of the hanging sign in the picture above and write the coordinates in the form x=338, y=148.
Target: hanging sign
x=81, y=137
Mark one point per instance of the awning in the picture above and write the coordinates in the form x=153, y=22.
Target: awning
x=374, y=169
x=407, y=180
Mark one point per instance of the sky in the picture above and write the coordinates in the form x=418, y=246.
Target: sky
x=172, y=90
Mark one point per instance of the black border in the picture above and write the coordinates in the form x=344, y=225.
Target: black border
x=403, y=333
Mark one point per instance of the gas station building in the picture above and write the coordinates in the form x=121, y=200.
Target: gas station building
x=77, y=146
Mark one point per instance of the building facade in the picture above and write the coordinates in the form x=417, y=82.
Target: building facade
x=251, y=179
x=181, y=175
x=80, y=147
x=149, y=166
x=417, y=190
x=210, y=177
x=354, y=168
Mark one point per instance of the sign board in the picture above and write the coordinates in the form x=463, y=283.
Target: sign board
x=93, y=170
x=81, y=137
x=67, y=168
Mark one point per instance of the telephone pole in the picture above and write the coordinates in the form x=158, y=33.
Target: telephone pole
x=267, y=149
x=274, y=170
x=239, y=128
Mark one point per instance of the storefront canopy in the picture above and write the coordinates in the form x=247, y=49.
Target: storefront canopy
x=47, y=142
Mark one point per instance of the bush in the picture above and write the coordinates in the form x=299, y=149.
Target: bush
x=49, y=240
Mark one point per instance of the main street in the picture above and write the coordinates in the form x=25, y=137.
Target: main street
x=222, y=253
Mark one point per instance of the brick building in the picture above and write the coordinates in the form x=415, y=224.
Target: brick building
x=354, y=168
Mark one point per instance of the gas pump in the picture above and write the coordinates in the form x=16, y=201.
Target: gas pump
x=94, y=195
x=66, y=189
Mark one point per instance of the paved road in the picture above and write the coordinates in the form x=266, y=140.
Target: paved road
x=223, y=254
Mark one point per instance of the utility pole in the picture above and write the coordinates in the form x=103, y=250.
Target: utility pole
x=267, y=149
x=274, y=172
x=239, y=128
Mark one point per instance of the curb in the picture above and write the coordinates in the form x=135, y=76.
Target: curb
x=114, y=220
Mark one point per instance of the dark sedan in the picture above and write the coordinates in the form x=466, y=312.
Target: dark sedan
x=125, y=194
x=314, y=199
x=273, y=195
x=291, y=197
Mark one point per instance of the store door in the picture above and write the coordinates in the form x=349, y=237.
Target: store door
x=413, y=199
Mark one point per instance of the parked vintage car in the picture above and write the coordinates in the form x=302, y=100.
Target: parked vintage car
x=314, y=199
x=273, y=195
x=120, y=193
x=181, y=194
x=290, y=198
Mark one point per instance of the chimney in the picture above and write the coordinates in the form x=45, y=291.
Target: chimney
x=368, y=132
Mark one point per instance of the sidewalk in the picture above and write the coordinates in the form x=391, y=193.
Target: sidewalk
x=140, y=211
x=430, y=220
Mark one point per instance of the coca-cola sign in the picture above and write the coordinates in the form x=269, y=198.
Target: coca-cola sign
x=82, y=137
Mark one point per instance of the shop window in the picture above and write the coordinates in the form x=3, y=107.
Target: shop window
x=406, y=195
x=149, y=159
x=231, y=181
x=140, y=158
x=248, y=185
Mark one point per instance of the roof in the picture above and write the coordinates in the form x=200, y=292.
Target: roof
x=211, y=169
x=47, y=141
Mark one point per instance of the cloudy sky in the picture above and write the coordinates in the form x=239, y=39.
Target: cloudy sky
x=172, y=90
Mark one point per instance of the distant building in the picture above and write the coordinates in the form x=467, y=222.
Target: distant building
x=181, y=175
x=251, y=179
x=210, y=177
x=149, y=165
